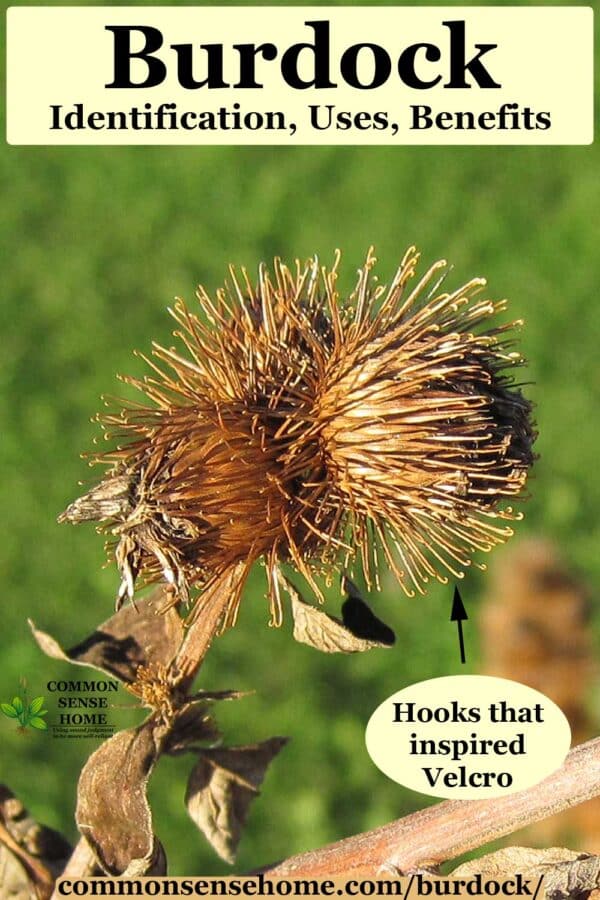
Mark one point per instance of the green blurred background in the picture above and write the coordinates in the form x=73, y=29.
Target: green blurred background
x=97, y=242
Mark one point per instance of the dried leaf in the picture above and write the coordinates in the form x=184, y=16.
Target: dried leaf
x=113, y=813
x=154, y=864
x=358, y=618
x=31, y=855
x=221, y=787
x=191, y=726
x=328, y=633
x=133, y=637
x=567, y=875
x=14, y=880
x=107, y=500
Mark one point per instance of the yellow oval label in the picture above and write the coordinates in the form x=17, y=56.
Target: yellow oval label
x=468, y=737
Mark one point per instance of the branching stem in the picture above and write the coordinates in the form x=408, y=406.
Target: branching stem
x=449, y=829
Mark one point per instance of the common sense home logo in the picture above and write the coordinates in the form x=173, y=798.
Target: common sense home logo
x=75, y=715
x=26, y=713
x=78, y=710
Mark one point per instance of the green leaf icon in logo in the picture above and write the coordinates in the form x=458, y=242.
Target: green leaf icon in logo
x=9, y=710
x=35, y=706
x=38, y=723
x=26, y=713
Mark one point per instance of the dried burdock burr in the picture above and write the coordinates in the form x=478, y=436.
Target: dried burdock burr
x=294, y=426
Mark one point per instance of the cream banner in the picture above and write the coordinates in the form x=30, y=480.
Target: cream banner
x=299, y=75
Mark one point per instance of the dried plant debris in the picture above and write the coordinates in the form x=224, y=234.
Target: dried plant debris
x=133, y=637
x=141, y=645
x=221, y=788
x=113, y=812
x=296, y=426
x=358, y=618
x=358, y=630
x=567, y=875
x=31, y=855
x=15, y=881
x=305, y=430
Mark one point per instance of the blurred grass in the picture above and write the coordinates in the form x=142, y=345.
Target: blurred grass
x=97, y=243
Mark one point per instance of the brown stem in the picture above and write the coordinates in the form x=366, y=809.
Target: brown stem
x=205, y=623
x=448, y=829
x=37, y=871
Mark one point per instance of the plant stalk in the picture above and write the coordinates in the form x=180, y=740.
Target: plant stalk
x=449, y=829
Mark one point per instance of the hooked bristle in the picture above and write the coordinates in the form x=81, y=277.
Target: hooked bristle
x=292, y=426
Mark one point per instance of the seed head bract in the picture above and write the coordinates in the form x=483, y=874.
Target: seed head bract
x=381, y=430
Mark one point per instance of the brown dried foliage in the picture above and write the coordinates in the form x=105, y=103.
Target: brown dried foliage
x=142, y=646
x=31, y=855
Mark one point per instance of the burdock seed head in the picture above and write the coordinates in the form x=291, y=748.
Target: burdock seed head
x=293, y=426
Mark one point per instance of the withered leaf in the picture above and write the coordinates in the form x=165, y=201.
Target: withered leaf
x=31, y=854
x=328, y=633
x=113, y=813
x=221, y=787
x=567, y=875
x=133, y=637
x=107, y=500
x=15, y=881
x=191, y=726
x=153, y=864
x=359, y=618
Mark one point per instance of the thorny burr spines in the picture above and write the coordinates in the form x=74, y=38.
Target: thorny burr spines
x=300, y=428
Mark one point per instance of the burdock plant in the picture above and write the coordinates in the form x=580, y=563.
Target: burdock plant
x=314, y=433
x=296, y=427
x=380, y=431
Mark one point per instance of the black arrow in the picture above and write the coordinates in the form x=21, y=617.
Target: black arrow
x=459, y=614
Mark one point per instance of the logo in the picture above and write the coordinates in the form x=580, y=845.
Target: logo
x=26, y=714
